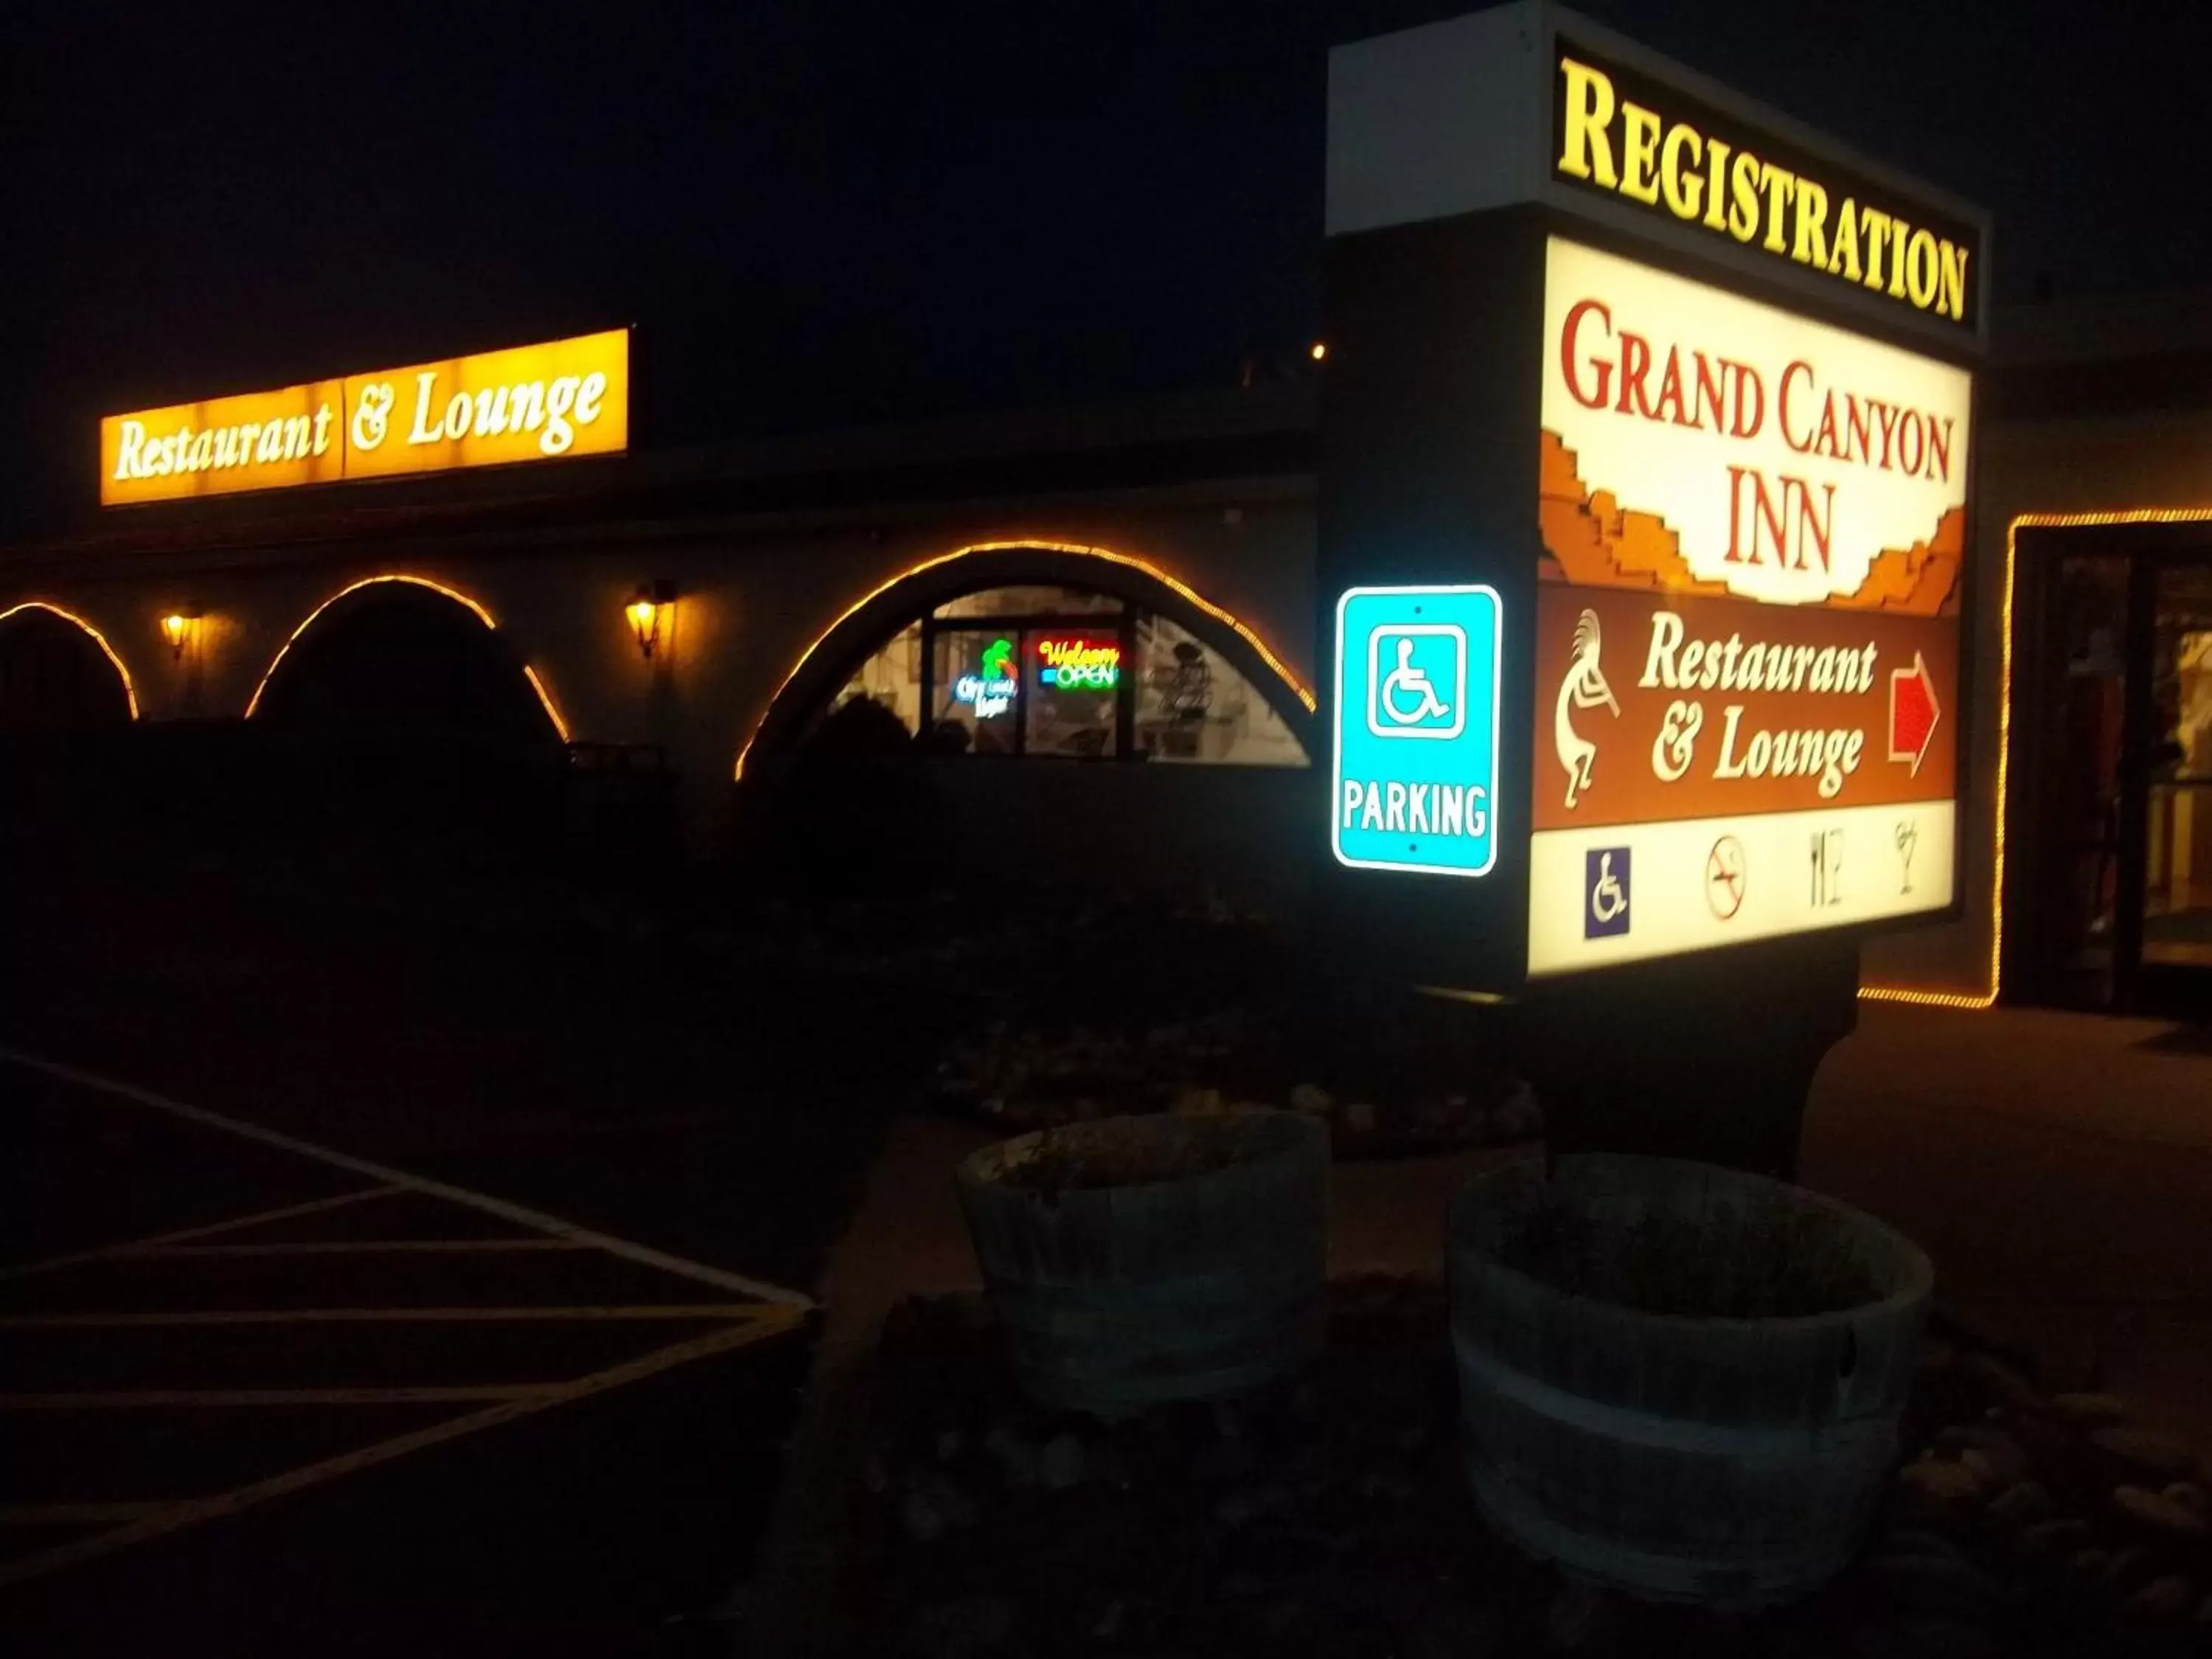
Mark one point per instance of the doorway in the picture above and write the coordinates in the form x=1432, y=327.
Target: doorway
x=2177, y=899
x=2112, y=733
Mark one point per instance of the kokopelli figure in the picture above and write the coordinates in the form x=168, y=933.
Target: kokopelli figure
x=1584, y=687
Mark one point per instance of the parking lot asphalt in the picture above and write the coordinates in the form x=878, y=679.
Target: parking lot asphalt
x=260, y=1397
x=534, y=1400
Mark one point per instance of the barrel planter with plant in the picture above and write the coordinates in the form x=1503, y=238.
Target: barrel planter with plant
x=1679, y=1380
x=1137, y=1260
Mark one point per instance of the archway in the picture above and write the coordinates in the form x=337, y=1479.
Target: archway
x=880, y=763
x=932, y=589
x=68, y=743
x=399, y=727
x=58, y=673
x=404, y=653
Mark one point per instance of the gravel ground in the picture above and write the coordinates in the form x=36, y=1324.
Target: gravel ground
x=1330, y=1516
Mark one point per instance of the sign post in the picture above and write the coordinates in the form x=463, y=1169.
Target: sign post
x=1669, y=403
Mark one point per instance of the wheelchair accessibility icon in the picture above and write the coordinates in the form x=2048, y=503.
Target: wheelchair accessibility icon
x=1605, y=892
x=1422, y=691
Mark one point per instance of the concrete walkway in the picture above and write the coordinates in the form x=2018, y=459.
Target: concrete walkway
x=2057, y=1167
x=2058, y=1170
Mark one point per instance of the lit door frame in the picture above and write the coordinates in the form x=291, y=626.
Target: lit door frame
x=2148, y=549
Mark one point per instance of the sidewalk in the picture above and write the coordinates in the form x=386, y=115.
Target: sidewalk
x=2058, y=1170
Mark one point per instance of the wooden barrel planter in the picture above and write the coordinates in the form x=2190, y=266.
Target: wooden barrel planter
x=1734, y=1460
x=1136, y=1260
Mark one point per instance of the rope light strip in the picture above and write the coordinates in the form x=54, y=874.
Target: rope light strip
x=130, y=690
x=1984, y=999
x=481, y=615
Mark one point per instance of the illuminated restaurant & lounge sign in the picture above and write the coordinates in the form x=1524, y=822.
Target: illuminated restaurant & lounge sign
x=528, y=404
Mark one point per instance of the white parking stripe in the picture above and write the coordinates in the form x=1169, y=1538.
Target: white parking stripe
x=520, y=1215
x=761, y=1324
x=192, y=1399
x=24, y=1270
x=676, y=1312
x=78, y=1515
x=339, y=1247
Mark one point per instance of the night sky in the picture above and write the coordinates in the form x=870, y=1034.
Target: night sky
x=842, y=212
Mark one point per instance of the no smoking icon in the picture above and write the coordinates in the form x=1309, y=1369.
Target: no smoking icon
x=1724, y=876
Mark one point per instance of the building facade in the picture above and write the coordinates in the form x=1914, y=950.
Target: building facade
x=1093, y=634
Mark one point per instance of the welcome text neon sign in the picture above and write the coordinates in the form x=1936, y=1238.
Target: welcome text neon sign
x=1080, y=664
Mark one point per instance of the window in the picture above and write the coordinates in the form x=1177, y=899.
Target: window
x=893, y=677
x=1031, y=602
x=1194, y=707
x=1072, y=674
x=1074, y=681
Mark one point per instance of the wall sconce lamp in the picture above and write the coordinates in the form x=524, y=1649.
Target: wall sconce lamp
x=651, y=613
x=181, y=628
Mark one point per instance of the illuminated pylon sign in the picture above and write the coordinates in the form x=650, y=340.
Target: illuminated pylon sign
x=1414, y=786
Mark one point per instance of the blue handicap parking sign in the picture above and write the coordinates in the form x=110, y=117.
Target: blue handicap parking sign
x=1415, y=781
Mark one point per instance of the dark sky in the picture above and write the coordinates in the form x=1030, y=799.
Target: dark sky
x=842, y=212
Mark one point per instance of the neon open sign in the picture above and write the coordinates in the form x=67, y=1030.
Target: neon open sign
x=1080, y=664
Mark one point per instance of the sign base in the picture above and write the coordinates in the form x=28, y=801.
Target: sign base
x=1709, y=1056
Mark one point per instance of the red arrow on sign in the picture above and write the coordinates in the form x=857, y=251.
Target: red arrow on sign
x=1913, y=712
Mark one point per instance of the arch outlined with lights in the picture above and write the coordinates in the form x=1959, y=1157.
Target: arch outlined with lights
x=475, y=607
x=996, y=563
x=115, y=660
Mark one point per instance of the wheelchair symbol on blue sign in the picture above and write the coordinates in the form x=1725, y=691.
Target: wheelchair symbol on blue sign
x=1415, y=783
x=1405, y=701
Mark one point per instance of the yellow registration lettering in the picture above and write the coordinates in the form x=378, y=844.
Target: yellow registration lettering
x=1953, y=302
x=1678, y=171
x=1640, y=140
x=1588, y=151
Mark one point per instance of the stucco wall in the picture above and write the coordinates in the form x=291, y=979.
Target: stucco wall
x=754, y=599
x=751, y=602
